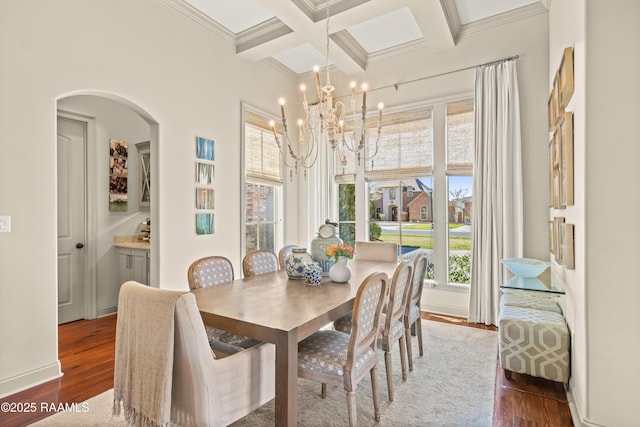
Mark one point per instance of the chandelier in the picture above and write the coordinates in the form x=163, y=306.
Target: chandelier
x=346, y=131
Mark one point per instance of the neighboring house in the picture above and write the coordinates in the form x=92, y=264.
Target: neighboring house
x=413, y=204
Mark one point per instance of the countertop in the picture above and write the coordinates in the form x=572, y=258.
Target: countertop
x=132, y=242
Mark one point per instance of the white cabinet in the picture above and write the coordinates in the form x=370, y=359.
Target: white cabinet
x=133, y=264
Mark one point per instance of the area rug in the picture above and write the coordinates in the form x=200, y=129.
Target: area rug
x=451, y=385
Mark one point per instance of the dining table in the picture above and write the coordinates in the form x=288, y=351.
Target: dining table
x=272, y=308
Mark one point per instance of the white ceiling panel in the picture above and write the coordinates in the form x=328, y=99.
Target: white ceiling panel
x=235, y=15
x=385, y=31
x=301, y=59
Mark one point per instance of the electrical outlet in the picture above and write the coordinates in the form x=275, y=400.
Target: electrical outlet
x=5, y=224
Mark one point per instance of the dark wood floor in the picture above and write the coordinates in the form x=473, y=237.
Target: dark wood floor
x=86, y=351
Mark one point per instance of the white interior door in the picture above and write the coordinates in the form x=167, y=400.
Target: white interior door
x=71, y=219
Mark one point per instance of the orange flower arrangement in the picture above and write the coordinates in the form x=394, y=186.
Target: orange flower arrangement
x=342, y=249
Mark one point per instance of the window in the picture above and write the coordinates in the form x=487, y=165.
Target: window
x=262, y=184
x=421, y=180
x=347, y=213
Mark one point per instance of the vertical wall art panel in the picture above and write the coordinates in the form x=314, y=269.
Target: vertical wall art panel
x=204, y=194
x=118, y=175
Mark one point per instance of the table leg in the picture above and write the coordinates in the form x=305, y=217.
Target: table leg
x=286, y=378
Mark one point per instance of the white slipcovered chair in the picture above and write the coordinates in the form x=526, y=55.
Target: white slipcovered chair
x=203, y=390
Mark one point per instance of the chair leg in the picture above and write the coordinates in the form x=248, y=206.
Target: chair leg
x=419, y=331
x=374, y=392
x=407, y=338
x=324, y=390
x=403, y=357
x=387, y=364
x=351, y=406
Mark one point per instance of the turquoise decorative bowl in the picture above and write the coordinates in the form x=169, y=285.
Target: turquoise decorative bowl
x=525, y=267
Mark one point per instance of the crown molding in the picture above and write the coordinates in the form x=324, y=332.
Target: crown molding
x=203, y=20
x=351, y=47
x=504, y=18
x=260, y=34
x=398, y=50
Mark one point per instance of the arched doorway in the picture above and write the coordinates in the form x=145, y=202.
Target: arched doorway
x=104, y=116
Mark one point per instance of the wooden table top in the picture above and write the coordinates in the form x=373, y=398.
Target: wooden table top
x=259, y=305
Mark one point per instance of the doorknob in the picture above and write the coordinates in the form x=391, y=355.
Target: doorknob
x=79, y=245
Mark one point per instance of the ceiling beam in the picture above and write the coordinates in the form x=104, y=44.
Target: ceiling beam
x=431, y=17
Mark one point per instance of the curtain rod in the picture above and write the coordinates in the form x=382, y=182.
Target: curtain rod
x=398, y=84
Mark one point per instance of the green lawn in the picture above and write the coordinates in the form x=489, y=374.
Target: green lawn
x=427, y=226
x=426, y=242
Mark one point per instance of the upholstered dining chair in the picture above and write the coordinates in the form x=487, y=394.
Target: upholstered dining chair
x=259, y=262
x=412, y=312
x=282, y=254
x=172, y=372
x=211, y=271
x=377, y=251
x=333, y=357
x=391, y=324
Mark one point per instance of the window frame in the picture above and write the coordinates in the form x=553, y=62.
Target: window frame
x=279, y=185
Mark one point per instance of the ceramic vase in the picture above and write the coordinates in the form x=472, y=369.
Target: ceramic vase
x=340, y=272
x=312, y=273
x=295, y=261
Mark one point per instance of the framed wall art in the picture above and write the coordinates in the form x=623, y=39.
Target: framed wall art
x=565, y=78
x=569, y=255
x=204, y=194
x=565, y=132
x=559, y=235
x=118, y=175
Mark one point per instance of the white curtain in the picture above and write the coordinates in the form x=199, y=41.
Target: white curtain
x=497, y=230
x=321, y=189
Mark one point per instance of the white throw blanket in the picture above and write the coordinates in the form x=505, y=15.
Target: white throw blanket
x=144, y=354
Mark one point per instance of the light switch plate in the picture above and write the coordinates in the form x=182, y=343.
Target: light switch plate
x=5, y=224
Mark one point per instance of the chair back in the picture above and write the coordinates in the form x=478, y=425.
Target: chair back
x=282, y=254
x=377, y=251
x=367, y=307
x=259, y=262
x=398, y=294
x=209, y=271
x=419, y=270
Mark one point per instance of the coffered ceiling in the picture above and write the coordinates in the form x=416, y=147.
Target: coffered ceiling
x=294, y=32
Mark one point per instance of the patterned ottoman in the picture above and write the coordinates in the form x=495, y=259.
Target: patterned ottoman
x=530, y=299
x=534, y=342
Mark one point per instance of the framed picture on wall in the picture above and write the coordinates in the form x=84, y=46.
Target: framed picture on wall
x=205, y=149
x=118, y=175
x=552, y=238
x=205, y=223
x=559, y=237
x=565, y=132
x=569, y=257
x=565, y=78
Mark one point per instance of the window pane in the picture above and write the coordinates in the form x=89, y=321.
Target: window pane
x=251, y=236
x=459, y=220
x=266, y=235
x=400, y=212
x=347, y=213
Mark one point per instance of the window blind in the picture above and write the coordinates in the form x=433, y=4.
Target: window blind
x=262, y=157
x=460, y=132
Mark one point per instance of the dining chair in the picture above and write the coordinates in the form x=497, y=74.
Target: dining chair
x=391, y=322
x=259, y=261
x=412, y=312
x=377, y=251
x=333, y=357
x=211, y=271
x=282, y=254
x=171, y=371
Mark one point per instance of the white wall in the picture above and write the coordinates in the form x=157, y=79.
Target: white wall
x=602, y=293
x=183, y=75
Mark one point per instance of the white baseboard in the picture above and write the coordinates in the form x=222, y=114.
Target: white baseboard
x=30, y=379
x=447, y=310
x=576, y=416
x=107, y=310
